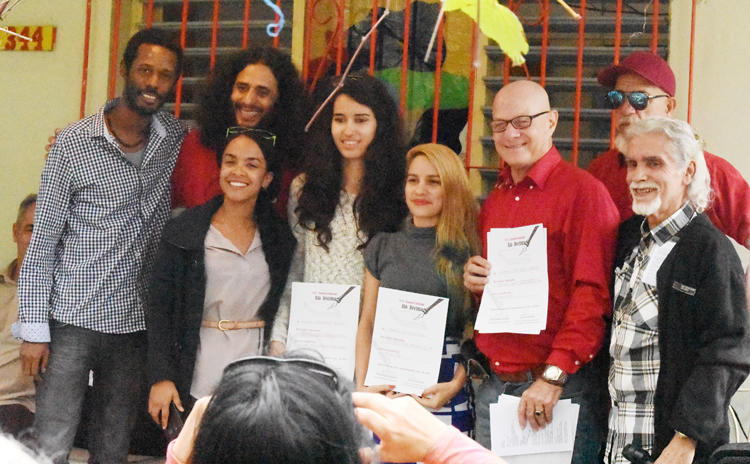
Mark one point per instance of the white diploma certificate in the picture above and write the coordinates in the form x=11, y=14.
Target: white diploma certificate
x=323, y=318
x=516, y=296
x=407, y=340
x=553, y=444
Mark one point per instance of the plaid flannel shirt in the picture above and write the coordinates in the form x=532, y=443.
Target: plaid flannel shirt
x=96, y=229
x=634, y=346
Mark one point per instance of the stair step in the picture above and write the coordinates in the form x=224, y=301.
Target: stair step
x=552, y=84
x=599, y=56
x=222, y=25
x=600, y=24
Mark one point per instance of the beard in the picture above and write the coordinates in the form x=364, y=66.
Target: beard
x=644, y=208
x=131, y=98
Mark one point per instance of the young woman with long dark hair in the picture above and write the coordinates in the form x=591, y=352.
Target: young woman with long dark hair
x=351, y=189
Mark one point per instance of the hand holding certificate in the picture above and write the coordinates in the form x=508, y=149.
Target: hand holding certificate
x=323, y=317
x=516, y=295
x=407, y=340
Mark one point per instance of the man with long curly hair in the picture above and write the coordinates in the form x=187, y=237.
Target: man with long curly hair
x=258, y=87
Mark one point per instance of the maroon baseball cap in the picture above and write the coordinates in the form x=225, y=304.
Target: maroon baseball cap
x=642, y=63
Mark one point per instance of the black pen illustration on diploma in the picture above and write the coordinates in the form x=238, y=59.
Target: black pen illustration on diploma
x=423, y=312
x=338, y=299
x=526, y=244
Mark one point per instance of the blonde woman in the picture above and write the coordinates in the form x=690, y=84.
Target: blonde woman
x=426, y=256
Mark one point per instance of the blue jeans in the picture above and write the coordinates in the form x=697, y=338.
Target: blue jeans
x=118, y=362
x=587, y=443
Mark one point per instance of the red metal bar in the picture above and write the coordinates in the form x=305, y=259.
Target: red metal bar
x=655, y=28
x=405, y=59
x=373, y=37
x=149, y=14
x=545, y=43
x=618, y=44
x=472, y=88
x=183, y=37
x=339, y=31
x=438, y=76
x=113, y=50
x=579, y=81
x=245, y=23
x=85, y=73
x=214, y=35
x=277, y=17
x=692, y=57
x=308, y=35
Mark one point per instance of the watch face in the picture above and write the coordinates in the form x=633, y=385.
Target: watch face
x=553, y=373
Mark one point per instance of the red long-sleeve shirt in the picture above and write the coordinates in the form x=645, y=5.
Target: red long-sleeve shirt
x=729, y=211
x=581, y=222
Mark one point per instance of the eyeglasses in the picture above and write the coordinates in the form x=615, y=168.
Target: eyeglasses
x=311, y=366
x=264, y=134
x=638, y=100
x=519, y=122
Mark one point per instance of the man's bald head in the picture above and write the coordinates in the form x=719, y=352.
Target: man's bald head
x=524, y=91
x=521, y=148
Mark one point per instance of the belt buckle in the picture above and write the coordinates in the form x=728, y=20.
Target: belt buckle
x=219, y=325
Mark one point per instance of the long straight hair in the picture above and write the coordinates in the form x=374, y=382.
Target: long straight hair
x=456, y=235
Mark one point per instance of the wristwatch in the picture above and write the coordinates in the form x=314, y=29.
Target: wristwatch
x=554, y=375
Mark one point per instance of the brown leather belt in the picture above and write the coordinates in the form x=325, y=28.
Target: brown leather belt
x=225, y=325
x=522, y=376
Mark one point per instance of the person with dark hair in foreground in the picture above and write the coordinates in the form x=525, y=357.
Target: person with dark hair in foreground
x=218, y=277
x=258, y=87
x=272, y=410
x=296, y=410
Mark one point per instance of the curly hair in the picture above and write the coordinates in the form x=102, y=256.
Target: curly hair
x=287, y=119
x=379, y=206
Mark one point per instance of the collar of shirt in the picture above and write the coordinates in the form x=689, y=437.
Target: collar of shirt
x=99, y=127
x=668, y=228
x=538, y=174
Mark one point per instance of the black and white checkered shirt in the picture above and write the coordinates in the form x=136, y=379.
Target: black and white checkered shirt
x=96, y=229
x=634, y=347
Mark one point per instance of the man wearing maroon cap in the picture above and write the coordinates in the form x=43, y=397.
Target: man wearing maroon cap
x=643, y=86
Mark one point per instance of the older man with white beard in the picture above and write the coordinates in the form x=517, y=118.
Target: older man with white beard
x=680, y=345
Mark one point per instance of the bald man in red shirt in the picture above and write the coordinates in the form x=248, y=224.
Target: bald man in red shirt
x=538, y=186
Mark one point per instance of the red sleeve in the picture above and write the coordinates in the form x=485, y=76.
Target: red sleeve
x=730, y=210
x=453, y=447
x=590, y=235
x=195, y=178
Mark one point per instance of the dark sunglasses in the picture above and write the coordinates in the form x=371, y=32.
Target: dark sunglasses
x=519, y=122
x=638, y=100
x=315, y=367
x=239, y=130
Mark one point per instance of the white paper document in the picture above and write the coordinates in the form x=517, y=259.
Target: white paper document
x=556, y=439
x=407, y=340
x=516, y=296
x=323, y=317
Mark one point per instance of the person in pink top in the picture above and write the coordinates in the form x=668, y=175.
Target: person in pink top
x=643, y=86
